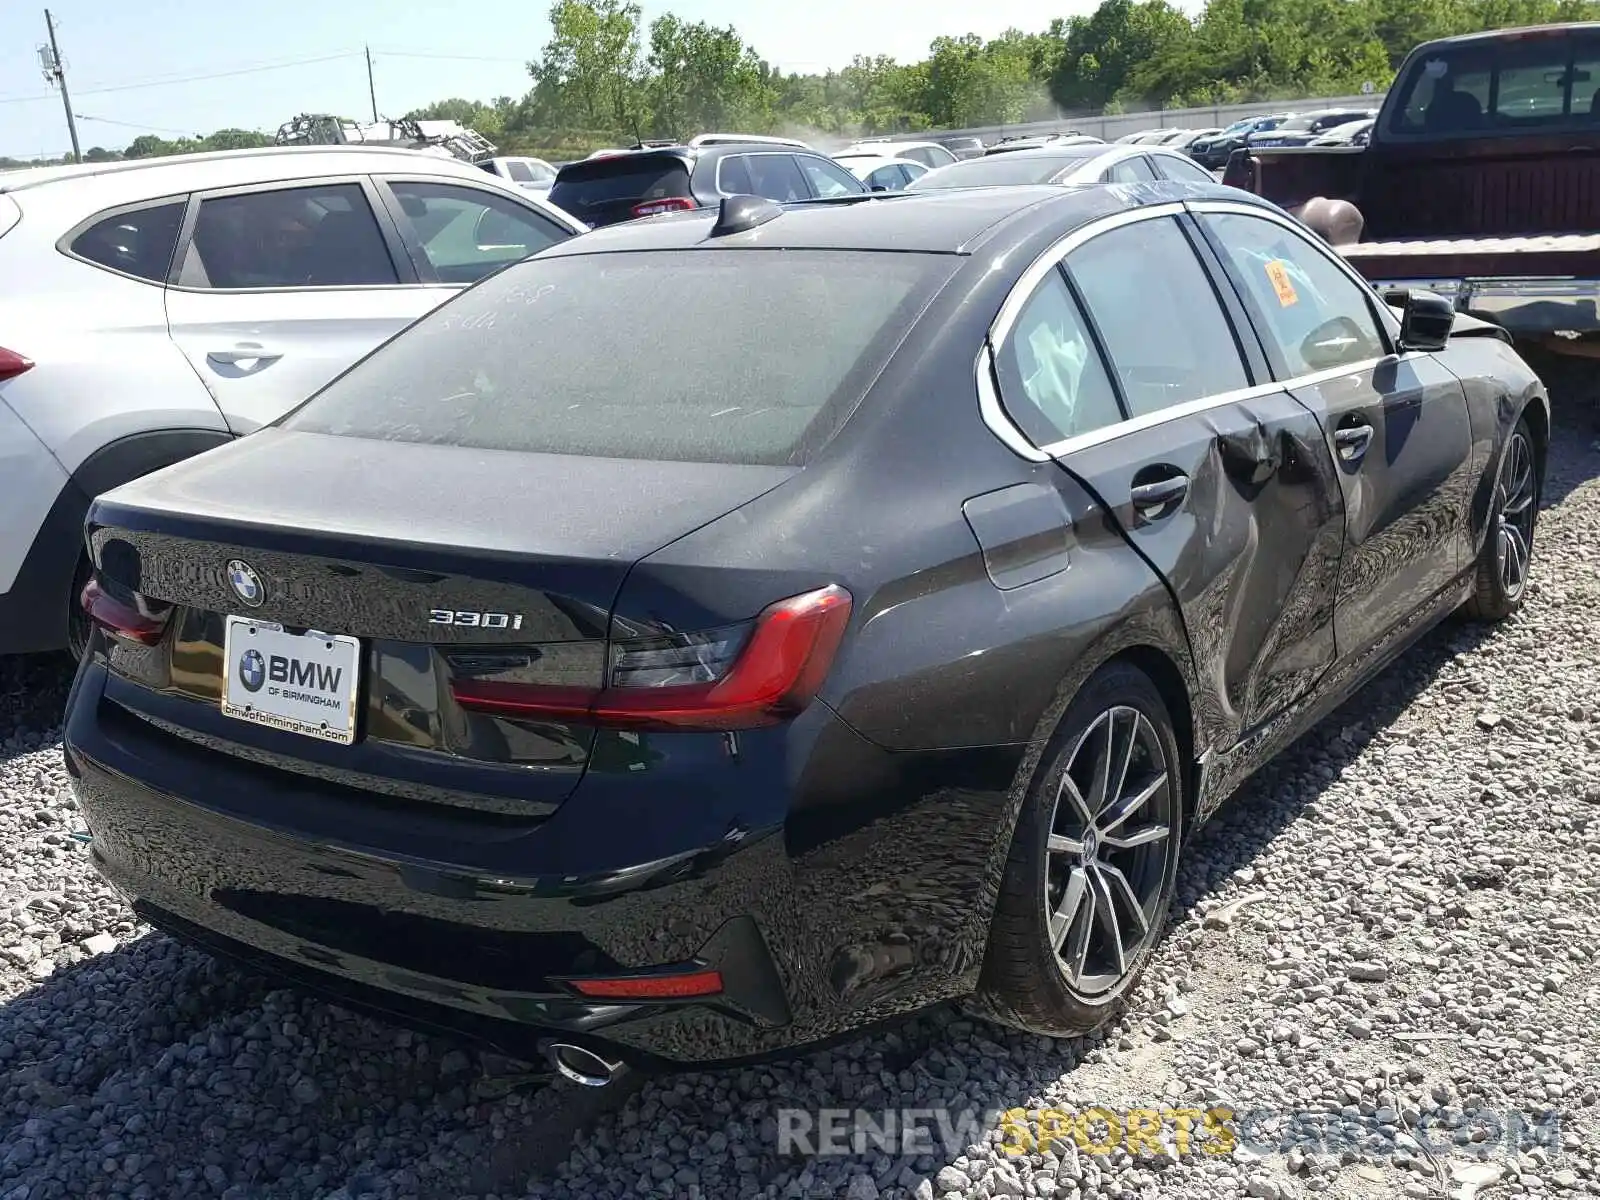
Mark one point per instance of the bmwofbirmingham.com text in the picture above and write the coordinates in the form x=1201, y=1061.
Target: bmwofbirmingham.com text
x=1161, y=1130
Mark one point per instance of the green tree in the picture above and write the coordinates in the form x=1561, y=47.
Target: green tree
x=704, y=78
x=591, y=72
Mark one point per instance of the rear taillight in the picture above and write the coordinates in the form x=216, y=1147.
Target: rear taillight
x=651, y=208
x=740, y=677
x=135, y=621
x=13, y=364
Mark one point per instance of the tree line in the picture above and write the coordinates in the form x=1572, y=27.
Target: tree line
x=606, y=77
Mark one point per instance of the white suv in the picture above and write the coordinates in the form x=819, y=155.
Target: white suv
x=153, y=309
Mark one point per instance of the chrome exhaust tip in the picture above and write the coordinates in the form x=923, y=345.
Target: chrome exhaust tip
x=581, y=1065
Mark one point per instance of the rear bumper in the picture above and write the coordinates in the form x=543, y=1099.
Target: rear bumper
x=854, y=905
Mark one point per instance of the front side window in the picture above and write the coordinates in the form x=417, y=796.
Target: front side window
x=1052, y=382
x=319, y=236
x=519, y=171
x=828, y=179
x=693, y=355
x=890, y=178
x=1173, y=167
x=1129, y=170
x=1165, y=332
x=138, y=242
x=467, y=233
x=1316, y=316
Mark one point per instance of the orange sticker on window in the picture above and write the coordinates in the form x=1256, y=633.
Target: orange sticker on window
x=1281, y=283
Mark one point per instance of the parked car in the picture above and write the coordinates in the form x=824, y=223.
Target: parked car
x=1188, y=137
x=1300, y=130
x=1213, y=152
x=741, y=139
x=964, y=146
x=880, y=173
x=1093, y=163
x=643, y=183
x=424, y=698
x=929, y=154
x=532, y=173
x=1354, y=133
x=157, y=307
x=1474, y=178
x=1011, y=145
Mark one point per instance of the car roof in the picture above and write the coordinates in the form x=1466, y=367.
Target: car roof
x=265, y=163
x=952, y=221
x=68, y=194
x=1509, y=35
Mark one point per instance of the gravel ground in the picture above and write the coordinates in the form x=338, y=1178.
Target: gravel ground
x=1381, y=964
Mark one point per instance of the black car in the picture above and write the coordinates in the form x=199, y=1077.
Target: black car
x=1300, y=130
x=1213, y=152
x=659, y=179
x=722, y=631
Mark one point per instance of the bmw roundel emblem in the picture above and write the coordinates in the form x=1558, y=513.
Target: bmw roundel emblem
x=246, y=584
x=252, y=670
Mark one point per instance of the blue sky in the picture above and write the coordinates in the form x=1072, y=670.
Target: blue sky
x=132, y=65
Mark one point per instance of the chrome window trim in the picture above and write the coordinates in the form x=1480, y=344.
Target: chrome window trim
x=994, y=416
x=989, y=405
x=1189, y=408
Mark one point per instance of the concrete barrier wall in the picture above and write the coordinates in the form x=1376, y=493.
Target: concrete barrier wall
x=1112, y=127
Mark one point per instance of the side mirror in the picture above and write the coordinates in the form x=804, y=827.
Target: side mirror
x=1426, y=318
x=1335, y=343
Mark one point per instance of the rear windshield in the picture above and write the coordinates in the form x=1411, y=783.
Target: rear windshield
x=1502, y=85
x=623, y=179
x=998, y=170
x=729, y=356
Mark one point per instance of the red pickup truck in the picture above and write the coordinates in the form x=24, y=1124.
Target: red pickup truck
x=1481, y=181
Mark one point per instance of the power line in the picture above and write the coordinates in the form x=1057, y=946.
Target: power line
x=136, y=125
x=150, y=83
x=449, y=57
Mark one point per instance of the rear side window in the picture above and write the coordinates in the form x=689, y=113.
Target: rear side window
x=138, y=242
x=737, y=356
x=606, y=189
x=1052, y=382
x=319, y=236
x=519, y=171
x=1501, y=85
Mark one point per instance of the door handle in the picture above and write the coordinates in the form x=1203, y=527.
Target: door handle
x=244, y=352
x=1159, y=498
x=1353, y=441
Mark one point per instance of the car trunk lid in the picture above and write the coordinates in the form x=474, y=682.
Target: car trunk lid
x=605, y=191
x=432, y=563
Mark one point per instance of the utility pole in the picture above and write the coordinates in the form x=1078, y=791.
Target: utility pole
x=55, y=72
x=372, y=89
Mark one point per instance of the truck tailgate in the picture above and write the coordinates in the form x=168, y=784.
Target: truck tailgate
x=1536, y=255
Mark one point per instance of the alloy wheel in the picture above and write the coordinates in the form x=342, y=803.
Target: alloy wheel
x=1515, y=499
x=1110, y=843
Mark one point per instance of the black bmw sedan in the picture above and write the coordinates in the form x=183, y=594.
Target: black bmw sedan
x=723, y=631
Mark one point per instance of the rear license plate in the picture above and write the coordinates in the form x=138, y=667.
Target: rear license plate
x=302, y=682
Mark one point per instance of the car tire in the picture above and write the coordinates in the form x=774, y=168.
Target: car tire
x=1084, y=848
x=1501, y=580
